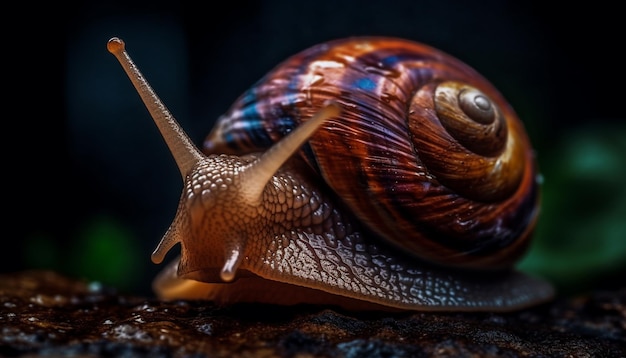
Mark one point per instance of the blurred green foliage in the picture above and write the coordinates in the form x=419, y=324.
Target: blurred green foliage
x=106, y=251
x=103, y=250
x=581, y=234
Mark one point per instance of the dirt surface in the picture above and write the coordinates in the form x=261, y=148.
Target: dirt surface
x=46, y=314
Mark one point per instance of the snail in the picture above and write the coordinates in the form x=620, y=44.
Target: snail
x=366, y=173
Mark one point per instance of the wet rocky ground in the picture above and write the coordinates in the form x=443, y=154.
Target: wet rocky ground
x=45, y=314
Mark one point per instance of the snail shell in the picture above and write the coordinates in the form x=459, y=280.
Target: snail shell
x=417, y=191
x=427, y=152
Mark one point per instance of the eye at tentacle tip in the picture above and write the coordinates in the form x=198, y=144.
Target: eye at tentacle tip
x=115, y=45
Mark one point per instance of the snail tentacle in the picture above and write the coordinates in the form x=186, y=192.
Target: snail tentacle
x=259, y=172
x=171, y=237
x=185, y=153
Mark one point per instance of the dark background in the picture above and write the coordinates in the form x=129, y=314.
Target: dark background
x=92, y=186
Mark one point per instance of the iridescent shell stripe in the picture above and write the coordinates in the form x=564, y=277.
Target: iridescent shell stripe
x=360, y=76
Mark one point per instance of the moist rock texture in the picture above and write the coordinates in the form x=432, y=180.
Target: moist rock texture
x=45, y=314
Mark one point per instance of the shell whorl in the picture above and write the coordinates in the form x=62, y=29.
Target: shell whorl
x=426, y=153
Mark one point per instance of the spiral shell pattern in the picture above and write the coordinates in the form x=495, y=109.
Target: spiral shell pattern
x=427, y=153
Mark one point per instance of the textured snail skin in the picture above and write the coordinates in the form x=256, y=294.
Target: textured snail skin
x=258, y=224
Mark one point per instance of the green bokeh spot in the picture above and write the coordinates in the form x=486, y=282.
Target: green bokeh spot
x=106, y=251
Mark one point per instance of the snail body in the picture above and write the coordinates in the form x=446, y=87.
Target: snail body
x=362, y=172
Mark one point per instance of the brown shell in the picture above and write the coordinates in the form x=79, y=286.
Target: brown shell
x=427, y=153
